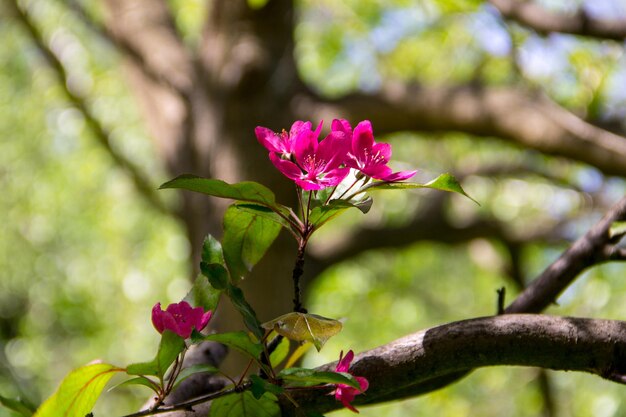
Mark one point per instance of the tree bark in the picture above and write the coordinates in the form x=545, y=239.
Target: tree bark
x=559, y=343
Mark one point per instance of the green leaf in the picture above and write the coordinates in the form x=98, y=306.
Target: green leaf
x=216, y=274
x=280, y=353
x=244, y=404
x=444, y=182
x=169, y=348
x=212, y=251
x=249, y=191
x=140, y=380
x=264, y=212
x=257, y=4
x=239, y=341
x=310, y=377
x=78, y=391
x=195, y=369
x=320, y=215
x=305, y=327
x=247, y=312
x=617, y=229
x=247, y=236
x=260, y=386
x=204, y=294
x=17, y=405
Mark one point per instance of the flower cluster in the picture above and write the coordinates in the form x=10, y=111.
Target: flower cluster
x=180, y=318
x=346, y=393
x=314, y=165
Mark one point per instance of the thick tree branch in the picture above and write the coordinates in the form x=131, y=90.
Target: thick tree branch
x=142, y=183
x=534, y=16
x=596, y=246
x=560, y=343
x=512, y=114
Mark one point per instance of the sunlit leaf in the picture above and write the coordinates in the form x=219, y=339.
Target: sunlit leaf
x=244, y=404
x=239, y=341
x=298, y=353
x=264, y=212
x=78, y=391
x=320, y=215
x=17, y=405
x=203, y=294
x=617, y=229
x=280, y=353
x=247, y=236
x=212, y=251
x=257, y=4
x=309, y=377
x=444, y=182
x=140, y=380
x=244, y=191
x=305, y=327
x=169, y=348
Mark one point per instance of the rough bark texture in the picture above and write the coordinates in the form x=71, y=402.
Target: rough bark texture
x=560, y=343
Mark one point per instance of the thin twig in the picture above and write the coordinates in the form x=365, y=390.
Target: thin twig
x=298, y=270
x=189, y=404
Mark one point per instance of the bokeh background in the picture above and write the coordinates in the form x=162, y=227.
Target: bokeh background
x=84, y=255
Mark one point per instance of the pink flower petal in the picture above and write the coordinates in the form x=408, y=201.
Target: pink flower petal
x=333, y=150
x=399, y=176
x=268, y=138
x=341, y=125
x=362, y=140
x=204, y=320
x=344, y=361
x=288, y=168
x=157, y=317
x=169, y=323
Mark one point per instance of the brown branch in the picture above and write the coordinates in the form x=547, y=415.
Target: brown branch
x=560, y=343
x=431, y=224
x=536, y=17
x=511, y=114
x=142, y=183
x=595, y=247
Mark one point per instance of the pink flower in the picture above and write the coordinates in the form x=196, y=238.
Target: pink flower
x=284, y=143
x=346, y=393
x=311, y=164
x=180, y=318
x=366, y=155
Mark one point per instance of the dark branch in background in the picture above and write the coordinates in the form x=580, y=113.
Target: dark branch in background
x=398, y=368
x=143, y=185
x=512, y=114
x=595, y=247
x=431, y=224
x=534, y=16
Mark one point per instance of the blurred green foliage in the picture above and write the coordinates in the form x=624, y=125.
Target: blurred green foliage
x=83, y=258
